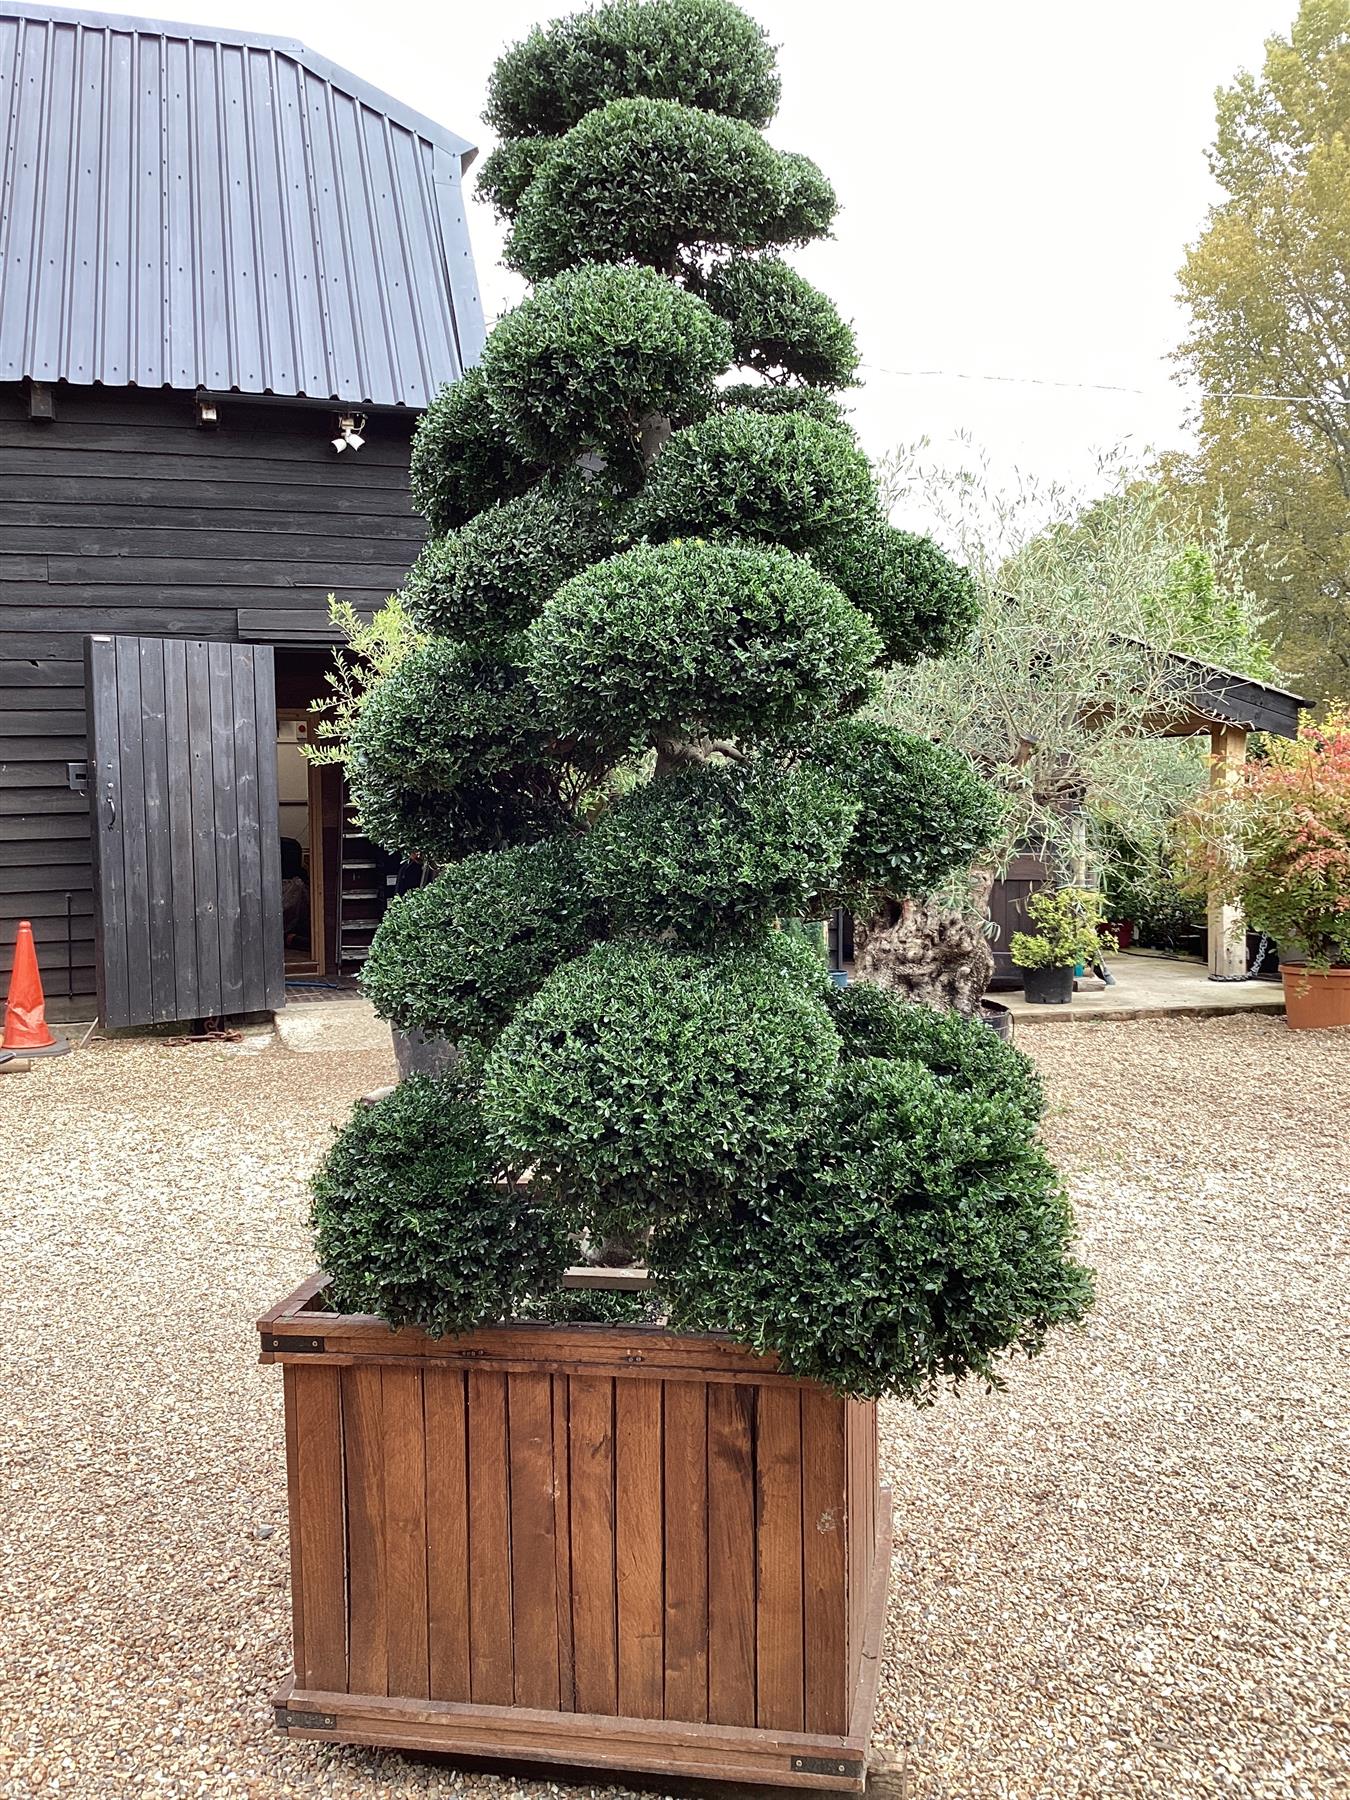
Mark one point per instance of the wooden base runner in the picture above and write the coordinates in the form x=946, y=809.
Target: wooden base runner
x=608, y=1547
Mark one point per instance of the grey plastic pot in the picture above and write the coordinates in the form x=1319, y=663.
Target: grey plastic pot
x=417, y=1054
x=1048, y=987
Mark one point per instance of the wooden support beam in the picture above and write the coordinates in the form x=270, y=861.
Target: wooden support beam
x=1227, y=927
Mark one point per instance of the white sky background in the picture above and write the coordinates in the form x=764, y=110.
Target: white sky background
x=1018, y=180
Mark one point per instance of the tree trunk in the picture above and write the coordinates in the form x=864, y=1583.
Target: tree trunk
x=936, y=956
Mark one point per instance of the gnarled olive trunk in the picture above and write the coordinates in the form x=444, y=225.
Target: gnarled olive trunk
x=935, y=955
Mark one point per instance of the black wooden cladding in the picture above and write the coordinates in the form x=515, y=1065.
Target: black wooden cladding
x=122, y=516
x=187, y=863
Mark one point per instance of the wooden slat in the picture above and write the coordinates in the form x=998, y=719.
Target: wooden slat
x=638, y=1547
x=686, y=1550
x=201, y=785
x=130, y=825
x=590, y=1434
x=731, y=1555
x=289, y=1378
x=367, y=1577
x=272, y=948
x=405, y=1530
x=534, y=1567
x=155, y=778
x=182, y=896
x=443, y=1401
x=824, y=1561
x=491, y=1677
x=252, y=989
x=321, y=1527
x=225, y=807
x=780, y=1672
x=562, y=1542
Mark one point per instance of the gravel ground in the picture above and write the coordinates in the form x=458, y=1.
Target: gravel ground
x=1127, y=1576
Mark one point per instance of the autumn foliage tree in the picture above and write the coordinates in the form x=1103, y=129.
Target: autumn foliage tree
x=654, y=602
x=1269, y=343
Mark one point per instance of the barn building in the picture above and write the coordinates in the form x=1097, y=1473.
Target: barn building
x=219, y=254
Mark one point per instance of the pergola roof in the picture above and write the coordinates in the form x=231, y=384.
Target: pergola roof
x=1215, y=697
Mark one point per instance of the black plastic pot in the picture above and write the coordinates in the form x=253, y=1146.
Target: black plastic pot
x=1048, y=987
x=997, y=1017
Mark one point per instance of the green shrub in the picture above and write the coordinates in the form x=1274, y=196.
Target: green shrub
x=783, y=479
x=417, y=1219
x=921, y=602
x=456, y=957
x=642, y=1077
x=651, y=181
x=750, y=396
x=781, y=326
x=962, y=1053
x=461, y=460
x=715, y=852
x=491, y=577
x=924, y=813
x=706, y=53
x=920, y=1235
x=579, y=364
x=1068, y=919
x=506, y=172
x=449, y=756
x=690, y=638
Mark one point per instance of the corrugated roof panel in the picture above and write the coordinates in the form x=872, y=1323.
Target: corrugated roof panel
x=202, y=209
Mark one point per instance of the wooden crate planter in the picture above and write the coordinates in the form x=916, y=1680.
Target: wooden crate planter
x=604, y=1546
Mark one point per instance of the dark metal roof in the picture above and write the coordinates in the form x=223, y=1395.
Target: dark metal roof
x=188, y=207
x=1215, y=696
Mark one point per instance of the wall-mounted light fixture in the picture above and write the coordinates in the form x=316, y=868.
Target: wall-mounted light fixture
x=207, y=416
x=349, y=429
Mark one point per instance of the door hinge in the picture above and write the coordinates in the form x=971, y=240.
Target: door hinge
x=825, y=1765
x=305, y=1721
x=305, y=1346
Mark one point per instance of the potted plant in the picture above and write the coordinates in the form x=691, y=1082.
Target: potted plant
x=1069, y=919
x=536, y=1514
x=1277, y=845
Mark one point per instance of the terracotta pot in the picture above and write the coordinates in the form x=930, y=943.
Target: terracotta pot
x=1315, y=999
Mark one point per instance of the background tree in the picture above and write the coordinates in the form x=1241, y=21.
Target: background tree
x=652, y=608
x=1270, y=316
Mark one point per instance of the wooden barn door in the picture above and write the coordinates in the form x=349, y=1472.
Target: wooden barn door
x=183, y=796
x=1008, y=909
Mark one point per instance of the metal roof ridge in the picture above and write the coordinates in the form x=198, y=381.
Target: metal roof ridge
x=321, y=66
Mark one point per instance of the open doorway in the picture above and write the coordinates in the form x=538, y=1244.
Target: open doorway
x=300, y=822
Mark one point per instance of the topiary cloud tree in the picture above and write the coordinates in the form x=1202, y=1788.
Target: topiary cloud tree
x=660, y=586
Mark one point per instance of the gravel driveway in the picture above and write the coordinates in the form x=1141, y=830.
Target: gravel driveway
x=1129, y=1575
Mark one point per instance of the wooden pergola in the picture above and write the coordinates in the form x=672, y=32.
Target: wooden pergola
x=1229, y=708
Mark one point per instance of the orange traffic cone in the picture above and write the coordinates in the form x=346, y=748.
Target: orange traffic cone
x=26, y=1030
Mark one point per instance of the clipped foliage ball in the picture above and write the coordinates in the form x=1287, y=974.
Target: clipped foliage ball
x=717, y=851
x=924, y=813
x=506, y=171
x=641, y=1076
x=963, y=1053
x=689, y=639
x=461, y=460
x=707, y=53
x=415, y=1221
x=491, y=577
x=782, y=479
x=456, y=957
x=655, y=182
x=578, y=364
x=781, y=326
x=753, y=396
x=921, y=602
x=920, y=1235
x=449, y=754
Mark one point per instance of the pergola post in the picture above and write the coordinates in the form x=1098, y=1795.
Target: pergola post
x=1227, y=927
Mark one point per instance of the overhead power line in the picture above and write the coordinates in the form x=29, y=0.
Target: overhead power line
x=1093, y=387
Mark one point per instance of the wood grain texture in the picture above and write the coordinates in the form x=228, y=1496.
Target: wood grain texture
x=491, y=1668
x=686, y=1550
x=638, y=1547
x=445, y=1413
x=824, y=1562
x=590, y=1438
x=405, y=1527
x=534, y=1568
x=367, y=1572
x=779, y=1659
x=321, y=1526
x=731, y=1555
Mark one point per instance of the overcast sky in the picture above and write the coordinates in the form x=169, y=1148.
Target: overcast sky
x=1018, y=180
